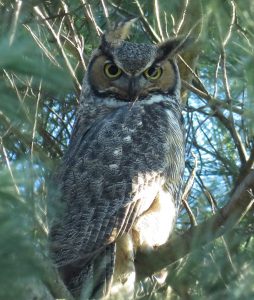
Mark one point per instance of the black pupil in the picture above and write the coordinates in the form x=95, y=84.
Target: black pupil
x=113, y=70
x=152, y=71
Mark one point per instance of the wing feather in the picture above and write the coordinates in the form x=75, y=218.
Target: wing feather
x=111, y=174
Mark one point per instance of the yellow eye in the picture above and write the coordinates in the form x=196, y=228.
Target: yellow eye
x=153, y=73
x=112, y=71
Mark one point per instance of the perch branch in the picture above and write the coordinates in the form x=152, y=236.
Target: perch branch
x=241, y=201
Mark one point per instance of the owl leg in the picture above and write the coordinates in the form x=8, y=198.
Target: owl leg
x=155, y=225
x=124, y=273
x=90, y=280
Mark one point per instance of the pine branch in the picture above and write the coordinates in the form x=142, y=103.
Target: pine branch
x=223, y=221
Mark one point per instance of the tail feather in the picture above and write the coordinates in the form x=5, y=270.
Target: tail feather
x=91, y=280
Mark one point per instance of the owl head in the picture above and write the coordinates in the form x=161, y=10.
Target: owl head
x=129, y=72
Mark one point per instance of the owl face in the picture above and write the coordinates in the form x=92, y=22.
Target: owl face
x=131, y=72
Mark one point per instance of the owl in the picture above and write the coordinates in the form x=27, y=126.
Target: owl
x=120, y=181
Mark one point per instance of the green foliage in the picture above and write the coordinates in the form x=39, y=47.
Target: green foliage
x=21, y=254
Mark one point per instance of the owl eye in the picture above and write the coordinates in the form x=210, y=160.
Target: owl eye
x=112, y=71
x=153, y=73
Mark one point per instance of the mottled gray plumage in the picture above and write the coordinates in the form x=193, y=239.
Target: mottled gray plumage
x=124, y=155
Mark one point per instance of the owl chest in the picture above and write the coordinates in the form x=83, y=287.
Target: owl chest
x=151, y=133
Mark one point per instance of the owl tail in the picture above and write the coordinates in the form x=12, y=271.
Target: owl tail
x=92, y=280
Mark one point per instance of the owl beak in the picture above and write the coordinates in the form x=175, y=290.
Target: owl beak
x=133, y=89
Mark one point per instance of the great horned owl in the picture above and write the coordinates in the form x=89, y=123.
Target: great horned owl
x=120, y=180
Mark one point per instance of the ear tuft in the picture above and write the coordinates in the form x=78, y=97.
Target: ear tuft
x=119, y=32
x=115, y=35
x=172, y=47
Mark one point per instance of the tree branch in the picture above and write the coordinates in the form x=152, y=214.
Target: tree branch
x=241, y=201
x=211, y=100
x=186, y=192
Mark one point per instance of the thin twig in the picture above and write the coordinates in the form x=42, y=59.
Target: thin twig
x=15, y=21
x=187, y=190
x=35, y=121
x=232, y=23
x=183, y=17
x=78, y=44
x=89, y=14
x=211, y=100
x=105, y=9
x=216, y=77
x=60, y=46
x=9, y=168
x=158, y=21
x=42, y=46
x=146, y=23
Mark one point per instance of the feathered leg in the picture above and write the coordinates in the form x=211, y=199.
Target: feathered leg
x=92, y=280
x=124, y=274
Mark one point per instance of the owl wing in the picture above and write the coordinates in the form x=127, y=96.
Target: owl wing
x=111, y=174
x=97, y=190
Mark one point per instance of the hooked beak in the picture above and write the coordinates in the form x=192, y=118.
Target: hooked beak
x=133, y=89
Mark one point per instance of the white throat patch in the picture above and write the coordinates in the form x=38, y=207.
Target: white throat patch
x=111, y=102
